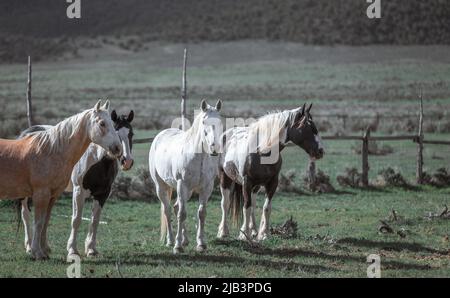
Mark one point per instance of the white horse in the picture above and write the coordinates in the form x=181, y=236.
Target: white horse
x=186, y=161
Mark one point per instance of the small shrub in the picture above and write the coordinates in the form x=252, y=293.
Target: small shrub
x=440, y=178
x=320, y=184
x=350, y=178
x=390, y=177
x=287, y=183
x=138, y=187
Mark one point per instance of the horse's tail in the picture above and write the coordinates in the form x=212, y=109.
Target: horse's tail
x=18, y=208
x=237, y=200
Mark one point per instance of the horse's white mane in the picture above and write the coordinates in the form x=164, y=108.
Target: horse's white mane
x=269, y=128
x=54, y=138
x=191, y=132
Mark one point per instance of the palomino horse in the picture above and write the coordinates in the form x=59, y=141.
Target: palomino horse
x=39, y=165
x=186, y=161
x=252, y=159
x=93, y=175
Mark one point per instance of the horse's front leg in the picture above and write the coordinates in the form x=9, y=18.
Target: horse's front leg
x=201, y=216
x=253, y=230
x=246, y=209
x=41, y=199
x=44, y=240
x=182, y=198
x=91, y=238
x=25, y=212
x=78, y=198
x=264, y=227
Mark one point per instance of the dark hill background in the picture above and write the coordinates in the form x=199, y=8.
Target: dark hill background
x=42, y=25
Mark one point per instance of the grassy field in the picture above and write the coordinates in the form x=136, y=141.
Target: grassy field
x=336, y=232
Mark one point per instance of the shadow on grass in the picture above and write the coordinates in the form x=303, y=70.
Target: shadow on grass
x=391, y=245
x=201, y=259
x=299, y=252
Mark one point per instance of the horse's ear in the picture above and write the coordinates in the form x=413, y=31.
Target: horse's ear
x=204, y=105
x=303, y=109
x=309, y=109
x=106, y=105
x=299, y=114
x=97, y=105
x=130, y=116
x=114, y=116
x=218, y=105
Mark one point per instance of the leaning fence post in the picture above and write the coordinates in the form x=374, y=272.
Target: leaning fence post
x=29, y=106
x=365, y=158
x=419, y=170
x=183, y=92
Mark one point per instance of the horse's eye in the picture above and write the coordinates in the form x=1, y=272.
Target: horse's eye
x=102, y=123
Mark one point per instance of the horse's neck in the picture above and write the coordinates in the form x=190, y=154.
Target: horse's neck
x=76, y=145
x=193, y=139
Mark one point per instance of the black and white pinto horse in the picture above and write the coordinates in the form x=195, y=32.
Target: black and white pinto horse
x=252, y=158
x=93, y=175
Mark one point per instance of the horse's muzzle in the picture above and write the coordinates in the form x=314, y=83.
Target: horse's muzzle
x=126, y=163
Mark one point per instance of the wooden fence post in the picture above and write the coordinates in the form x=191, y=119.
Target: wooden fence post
x=29, y=105
x=419, y=169
x=183, y=92
x=312, y=174
x=365, y=158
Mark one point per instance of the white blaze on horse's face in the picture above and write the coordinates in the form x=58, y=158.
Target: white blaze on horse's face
x=102, y=130
x=211, y=127
x=127, y=158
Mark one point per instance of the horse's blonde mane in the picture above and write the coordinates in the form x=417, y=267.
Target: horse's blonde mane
x=268, y=129
x=54, y=138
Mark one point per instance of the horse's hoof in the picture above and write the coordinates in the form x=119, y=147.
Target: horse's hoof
x=261, y=237
x=28, y=249
x=178, y=250
x=222, y=235
x=242, y=237
x=39, y=256
x=73, y=252
x=169, y=244
x=254, y=233
x=201, y=248
x=92, y=253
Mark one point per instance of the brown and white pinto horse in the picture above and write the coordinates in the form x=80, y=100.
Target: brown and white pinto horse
x=39, y=165
x=252, y=159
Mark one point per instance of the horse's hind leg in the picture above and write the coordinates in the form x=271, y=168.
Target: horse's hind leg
x=91, y=238
x=164, y=194
x=25, y=212
x=44, y=240
x=247, y=194
x=264, y=227
x=41, y=200
x=182, y=197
